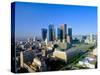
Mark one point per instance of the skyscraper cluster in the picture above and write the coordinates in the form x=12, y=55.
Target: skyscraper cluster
x=62, y=35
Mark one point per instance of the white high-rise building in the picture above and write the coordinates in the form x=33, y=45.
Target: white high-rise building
x=91, y=39
x=21, y=60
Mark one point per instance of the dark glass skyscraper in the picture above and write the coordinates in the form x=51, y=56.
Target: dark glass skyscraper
x=65, y=31
x=59, y=34
x=44, y=34
x=51, y=33
x=70, y=33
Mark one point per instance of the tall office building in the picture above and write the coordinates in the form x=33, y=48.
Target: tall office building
x=59, y=34
x=21, y=60
x=70, y=34
x=68, y=39
x=44, y=34
x=52, y=35
x=91, y=38
x=64, y=32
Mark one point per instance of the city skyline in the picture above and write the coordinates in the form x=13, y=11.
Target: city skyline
x=29, y=21
x=52, y=37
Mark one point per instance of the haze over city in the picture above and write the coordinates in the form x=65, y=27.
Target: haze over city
x=31, y=17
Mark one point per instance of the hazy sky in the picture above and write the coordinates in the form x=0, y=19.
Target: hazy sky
x=31, y=17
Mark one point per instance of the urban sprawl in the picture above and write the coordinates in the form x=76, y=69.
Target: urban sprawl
x=56, y=50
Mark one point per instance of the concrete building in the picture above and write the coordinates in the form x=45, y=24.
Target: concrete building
x=62, y=45
x=40, y=63
x=66, y=55
x=68, y=39
x=88, y=62
x=21, y=60
x=95, y=52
